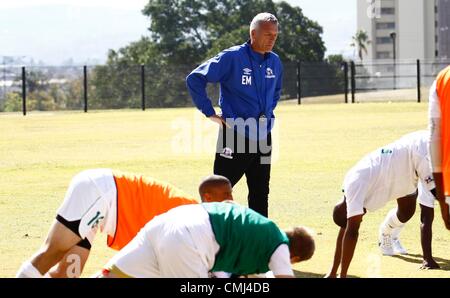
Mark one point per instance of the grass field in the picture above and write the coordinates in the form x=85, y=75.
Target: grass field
x=317, y=144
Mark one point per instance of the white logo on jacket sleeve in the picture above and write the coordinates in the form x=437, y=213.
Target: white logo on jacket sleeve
x=269, y=73
x=247, y=76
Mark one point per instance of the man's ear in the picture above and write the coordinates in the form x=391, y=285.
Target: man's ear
x=295, y=260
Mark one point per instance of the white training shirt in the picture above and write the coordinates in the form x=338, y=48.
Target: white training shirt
x=434, y=106
x=181, y=243
x=434, y=118
x=280, y=261
x=388, y=173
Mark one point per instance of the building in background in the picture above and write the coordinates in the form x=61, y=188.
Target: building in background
x=420, y=28
x=443, y=33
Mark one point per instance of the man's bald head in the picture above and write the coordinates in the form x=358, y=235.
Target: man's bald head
x=215, y=188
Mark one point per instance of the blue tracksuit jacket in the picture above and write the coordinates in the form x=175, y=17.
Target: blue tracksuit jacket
x=250, y=86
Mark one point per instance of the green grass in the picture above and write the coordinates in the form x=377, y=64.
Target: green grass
x=317, y=144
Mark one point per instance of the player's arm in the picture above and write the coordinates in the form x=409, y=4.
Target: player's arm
x=214, y=70
x=278, y=88
x=349, y=241
x=280, y=262
x=436, y=157
x=337, y=255
x=444, y=206
x=435, y=151
x=434, y=116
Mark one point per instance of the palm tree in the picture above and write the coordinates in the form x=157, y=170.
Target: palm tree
x=361, y=41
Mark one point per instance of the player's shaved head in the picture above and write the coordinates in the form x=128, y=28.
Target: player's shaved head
x=301, y=244
x=215, y=188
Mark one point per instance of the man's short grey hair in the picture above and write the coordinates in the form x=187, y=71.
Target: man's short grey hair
x=262, y=18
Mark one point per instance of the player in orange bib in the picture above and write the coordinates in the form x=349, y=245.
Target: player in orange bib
x=117, y=203
x=439, y=118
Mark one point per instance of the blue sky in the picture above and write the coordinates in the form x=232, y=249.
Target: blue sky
x=55, y=30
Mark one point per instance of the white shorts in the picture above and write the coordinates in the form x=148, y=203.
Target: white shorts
x=355, y=187
x=425, y=197
x=91, y=200
x=179, y=243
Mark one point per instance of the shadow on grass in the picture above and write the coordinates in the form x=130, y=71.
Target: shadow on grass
x=417, y=259
x=300, y=274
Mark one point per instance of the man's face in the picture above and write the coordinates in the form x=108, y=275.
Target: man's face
x=219, y=193
x=265, y=36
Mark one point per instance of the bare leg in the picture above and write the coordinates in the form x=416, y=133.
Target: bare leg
x=406, y=208
x=59, y=241
x=72, y=264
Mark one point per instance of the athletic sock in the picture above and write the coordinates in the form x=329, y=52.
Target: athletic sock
x=391, y=224
x=27, y=270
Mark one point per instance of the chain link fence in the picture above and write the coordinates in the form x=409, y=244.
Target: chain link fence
x=55, y=88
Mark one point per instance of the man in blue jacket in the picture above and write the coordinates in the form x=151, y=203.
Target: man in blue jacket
x=250, y=77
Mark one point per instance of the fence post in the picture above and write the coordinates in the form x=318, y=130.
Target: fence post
x=143, y=86
x=346, y=81
x=353, y=80
x=419, y=95
x=85, y=88
x=24, y=91
x=299, y=83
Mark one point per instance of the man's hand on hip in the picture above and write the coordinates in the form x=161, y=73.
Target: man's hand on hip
x=219, y=120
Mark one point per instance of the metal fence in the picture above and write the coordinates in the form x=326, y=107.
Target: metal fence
x=395, y=81
x=47, y=88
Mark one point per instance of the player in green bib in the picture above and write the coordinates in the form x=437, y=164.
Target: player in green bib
x=199, y=240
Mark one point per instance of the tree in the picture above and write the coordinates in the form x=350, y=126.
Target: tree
x=184, y=33
x=186, y=30
x=118, y=83
x=13, y=102
x=228, y=40
x=361, y=41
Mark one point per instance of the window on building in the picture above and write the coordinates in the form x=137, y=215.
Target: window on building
x=383, y=55
x=384, y=40
x=388, y=10
x=385, y=25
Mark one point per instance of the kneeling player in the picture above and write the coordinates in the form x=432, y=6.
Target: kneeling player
x=193, y=241
x=118, y=204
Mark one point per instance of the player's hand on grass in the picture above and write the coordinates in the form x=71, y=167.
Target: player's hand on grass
x=429, y=264
x=219, y=120
x=330, y=275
